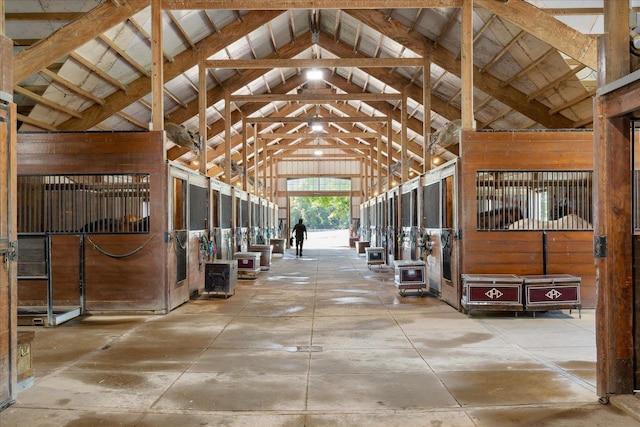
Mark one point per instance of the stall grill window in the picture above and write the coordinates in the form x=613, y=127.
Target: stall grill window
x=72, y=204
x=534, y=200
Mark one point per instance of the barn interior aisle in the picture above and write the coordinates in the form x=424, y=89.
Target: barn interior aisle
x=317, y=340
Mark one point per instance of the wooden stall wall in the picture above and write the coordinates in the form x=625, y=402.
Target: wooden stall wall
x=8, y=304
x=132, y=283
x=521, y=252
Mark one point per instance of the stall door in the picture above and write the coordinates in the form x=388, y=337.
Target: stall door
x=8, y=313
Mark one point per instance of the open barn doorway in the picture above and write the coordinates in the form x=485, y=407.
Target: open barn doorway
x=326, y=219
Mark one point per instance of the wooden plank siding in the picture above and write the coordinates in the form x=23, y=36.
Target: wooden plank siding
x=133, y=283
x=521, y=252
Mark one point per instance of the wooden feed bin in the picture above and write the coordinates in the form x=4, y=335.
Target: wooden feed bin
x=278, y=245
x=265, y=255
x=551, y=292
x=496, y=292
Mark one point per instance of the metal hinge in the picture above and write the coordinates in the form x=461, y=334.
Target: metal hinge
x=600, y=246
x=8, y=252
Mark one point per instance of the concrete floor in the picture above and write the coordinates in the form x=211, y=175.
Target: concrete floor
x=316, y=341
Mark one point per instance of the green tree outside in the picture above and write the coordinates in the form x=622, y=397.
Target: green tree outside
x=321, y=212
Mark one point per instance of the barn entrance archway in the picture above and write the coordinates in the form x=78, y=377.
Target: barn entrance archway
x=324, y=204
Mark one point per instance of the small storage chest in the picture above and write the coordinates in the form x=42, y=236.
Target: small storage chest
x=410, y=274
x=498, y=292
x=221, y=277
x=248, y=264
x=375, y=256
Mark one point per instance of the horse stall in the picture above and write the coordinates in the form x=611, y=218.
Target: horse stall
x=379, y=226
x=393, y=224
x=223, y=219
x=85, y=202
x=188, y=230
x=241, y=220
x=526, y=206
x=410, y=201
x=438, y=243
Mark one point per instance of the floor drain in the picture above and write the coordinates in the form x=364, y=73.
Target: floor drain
x=309, y=348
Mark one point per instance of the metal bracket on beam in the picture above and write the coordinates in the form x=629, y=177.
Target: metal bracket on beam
x=6, y=97
x=600, y=246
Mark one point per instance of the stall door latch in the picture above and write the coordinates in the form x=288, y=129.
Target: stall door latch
x=7, y=250
x=600, y=246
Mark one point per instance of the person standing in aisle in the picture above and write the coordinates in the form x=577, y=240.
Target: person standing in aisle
x=300, y=232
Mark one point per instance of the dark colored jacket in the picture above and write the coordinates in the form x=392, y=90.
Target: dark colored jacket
x=300, y=230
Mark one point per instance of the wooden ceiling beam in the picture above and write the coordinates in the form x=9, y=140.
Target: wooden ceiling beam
x=248, y=64
x=579, y=10
x=446, y=60
x=321, y=119
x=183, y=61
x=72, y=36
x=124, y=55
x=71, y=86
x=306, y=4
x=46, y=102
x=300, y=135
x=314, y=98
x=542, y=25
x=147, y=37
x=94, y=69
x=181, y=30
x=43, y=16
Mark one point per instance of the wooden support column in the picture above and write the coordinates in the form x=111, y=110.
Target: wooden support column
x=245, y=187
x=403, y=139
x=363, y=180
x=264, y=167
x=616, y=17
x=274, y=179
x=202, y=112
x=612, y=223
x=157, y=72
x=614, y=313
x=2, y=26
x=466, y=74
x=379, y=170
x=426, y=102
x=255, y=159
x=390, y=177
x=370, y=180
x=227, y=136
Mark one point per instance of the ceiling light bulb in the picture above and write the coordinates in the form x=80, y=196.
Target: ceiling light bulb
x=314, y=74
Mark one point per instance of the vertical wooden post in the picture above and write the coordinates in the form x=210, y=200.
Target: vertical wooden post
x=227, y=136
x=467, y=65
x=403, y=139
x=390, y=177
x=202, y=111
x=379, y=169
x=612, y=219
x=614, y=310
x=264, y=166
x=426, y=102
x=157, y=72
x=616, y=18
x=245, y=164
x=273, y=182
x=2, y=30
x=255, y=159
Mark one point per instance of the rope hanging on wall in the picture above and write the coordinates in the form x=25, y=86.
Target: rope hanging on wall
x=112, y=255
